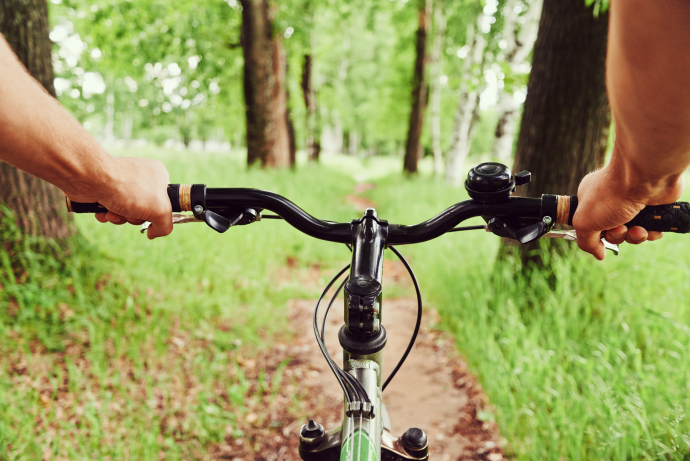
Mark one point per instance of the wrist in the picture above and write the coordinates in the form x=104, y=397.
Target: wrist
x=92, y=176
x=634, y=182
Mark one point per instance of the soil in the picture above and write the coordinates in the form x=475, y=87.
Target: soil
x=433, y=390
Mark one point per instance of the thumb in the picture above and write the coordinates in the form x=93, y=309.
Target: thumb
x=590, y=241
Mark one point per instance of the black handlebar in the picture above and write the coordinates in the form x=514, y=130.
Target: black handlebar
x=560, y=209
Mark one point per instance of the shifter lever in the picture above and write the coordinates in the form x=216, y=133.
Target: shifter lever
x=530, y=233
x=526, y=234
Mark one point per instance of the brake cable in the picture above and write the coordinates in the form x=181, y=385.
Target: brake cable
x=419, y=318
x=334, y=368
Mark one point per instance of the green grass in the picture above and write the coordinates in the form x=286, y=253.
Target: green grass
x=120, y=350
x=130, y=347
x=596, y=368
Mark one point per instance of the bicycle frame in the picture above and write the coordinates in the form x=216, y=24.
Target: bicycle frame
x=362, y=436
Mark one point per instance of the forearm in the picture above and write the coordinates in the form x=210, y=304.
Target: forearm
x=647, y=70
x=40, y=137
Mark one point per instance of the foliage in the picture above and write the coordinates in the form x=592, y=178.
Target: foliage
x=174, y=68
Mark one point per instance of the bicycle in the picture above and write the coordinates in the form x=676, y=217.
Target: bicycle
x=365, y=432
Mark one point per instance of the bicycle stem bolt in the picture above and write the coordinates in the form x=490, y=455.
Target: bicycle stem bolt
x=415, y=440
x=311, y=432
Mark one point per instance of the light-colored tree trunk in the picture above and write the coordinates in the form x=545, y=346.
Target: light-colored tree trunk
x=465, y=118
x=127, y=129
x=435, y=88
x=109, y=129
x=518, y=47
x=353, y=143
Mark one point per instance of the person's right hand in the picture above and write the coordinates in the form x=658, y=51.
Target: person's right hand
x=607, y=201
x=134, y=190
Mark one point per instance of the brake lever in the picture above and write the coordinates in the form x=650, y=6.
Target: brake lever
x=177, y=218
x=571, y=235
x=214, y=220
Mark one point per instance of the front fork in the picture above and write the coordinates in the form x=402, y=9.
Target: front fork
x=363, y=338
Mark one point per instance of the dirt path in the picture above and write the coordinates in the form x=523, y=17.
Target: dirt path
x=433, y=390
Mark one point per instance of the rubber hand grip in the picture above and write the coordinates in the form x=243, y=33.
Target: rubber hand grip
x=77, y=207
x=674, y=217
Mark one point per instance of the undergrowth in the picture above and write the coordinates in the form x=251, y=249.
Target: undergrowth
x=590, y=362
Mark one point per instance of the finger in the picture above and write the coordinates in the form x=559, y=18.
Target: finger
x=591, y=243
x=136, y=222
x=115, y=218
x=161, y=225
x=616, y=235
x=653, y=235
x=101, y=217
x=636, y=235
x=156, y=231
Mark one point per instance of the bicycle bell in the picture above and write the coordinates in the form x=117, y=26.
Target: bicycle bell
x=493, y=182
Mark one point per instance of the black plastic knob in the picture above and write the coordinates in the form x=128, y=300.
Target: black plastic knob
x=414, y=439
x=523, y=177
x=311, y=430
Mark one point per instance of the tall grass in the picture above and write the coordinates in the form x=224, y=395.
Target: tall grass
x=120, y=349
x=595, y=367
x=130, y=348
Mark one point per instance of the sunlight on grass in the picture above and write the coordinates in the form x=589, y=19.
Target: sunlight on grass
x=133, y=347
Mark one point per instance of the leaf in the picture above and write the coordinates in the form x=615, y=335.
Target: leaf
x=486, y=416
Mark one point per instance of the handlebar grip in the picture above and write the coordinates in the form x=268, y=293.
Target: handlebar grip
x=179, y=195
x=674, y=217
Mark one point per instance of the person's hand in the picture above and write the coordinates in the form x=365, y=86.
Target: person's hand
x=134, y=190
x=606, y=201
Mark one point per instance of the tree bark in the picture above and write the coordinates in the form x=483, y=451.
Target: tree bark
x=38, y=207
x=435, y=88
x=467, y=113
x=413, y=145
x=518, y=47
x=313, y=144
x=566, y=119
x=264, y=87
x=280, y=156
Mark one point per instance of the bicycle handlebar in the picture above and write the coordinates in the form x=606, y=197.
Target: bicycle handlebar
x=673, y=217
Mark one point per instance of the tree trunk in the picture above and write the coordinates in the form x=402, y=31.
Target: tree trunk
x=313, y=144
x=264, y=87
x=280, y=156
x=468, y=105
x=566, y=119
x=38, y=207
x=109, y=128
x=518, y=47
x=435, y=97
x=413, y=146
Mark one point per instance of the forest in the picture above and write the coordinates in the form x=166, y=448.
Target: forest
x=342, y=71
x=114, y=347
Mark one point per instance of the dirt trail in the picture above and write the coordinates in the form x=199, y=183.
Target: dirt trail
x=433, y=389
